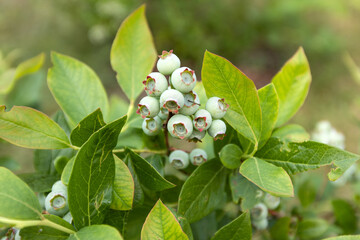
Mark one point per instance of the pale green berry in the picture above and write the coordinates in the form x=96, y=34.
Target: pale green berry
x=172, y=100
x=148, y=107
x=259, y=211
x=216, y=107
x=180, y=126
x=58, y=186
x=17, y=235
x=152, y=126
x=56, y=203
x=202, y=120
x=163, y=114
x=68, y=217
x=191, y=103
x=196, y=135
x=198, y=156
x=261, y=224
x=217, y=129
x=168, y=62
x=271, y=201
x=155, y=84
x=179, y=159
x=183, y=79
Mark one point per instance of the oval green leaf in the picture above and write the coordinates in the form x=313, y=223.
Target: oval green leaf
x=29, y=128
x=208, y=182
x=123, y=188
x=292, y=84
x=133, y=53
x=291, y=132
x=297, y=157
x=18, y=201
x=269, y=102
x=222, y=79
x=268, y=177
x=162, y=224
x=238, y=229
x=96, y=232
x=147, y=174
x=230, y=156
x=76, y=88
x=92, y=176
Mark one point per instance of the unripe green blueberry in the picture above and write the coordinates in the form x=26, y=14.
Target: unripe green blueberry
x=163, y=114
x=259, y=211
x=155, y=84
x=202, y=120
x=17, y=235
x=168, y=62
x=216, y=107
x=183, y=79
x=196, y=136
x=172, y=100
x=198, y=156
x=179, y=159
x=152, y=126
x=56, y=203
x=180, y=126
x=271, y=201
x=191, y=103
x=217, y=129
x=261, y=224
x=58, y=186
x=148, y=107
x=68, y=217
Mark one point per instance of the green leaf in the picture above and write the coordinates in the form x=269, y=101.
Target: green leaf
x=347, y=237
x=96, y=232
x=208, y=182
x=292, y=133
x=242, y=188
x=139, y=195
x=27, y=67
x=311, y=228
x=268, y=177
x=29, y=128
x=224, y=80
x=147, y=174
x=18, y=201
x=45, y=232
x=86, y=127
x=161, y=224
x=239, y=229
x=133, y=53
x=65, y=176
x=123, y=188
x=281, y=229
x=230, y=156
x=90, y=184
x=269, y=102
x=299, y=157
x=9, y=163
x=345, y=216
x=76, y=88
x=307, y=193
x=292, y=84
x=39, y=182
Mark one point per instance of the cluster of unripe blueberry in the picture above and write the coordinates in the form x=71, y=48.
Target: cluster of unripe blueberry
x=174, y=102
x=259, y=212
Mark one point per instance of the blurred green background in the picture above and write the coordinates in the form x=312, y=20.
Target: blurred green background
x=256, y=35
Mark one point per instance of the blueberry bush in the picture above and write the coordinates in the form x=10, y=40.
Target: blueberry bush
x=125, y=169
